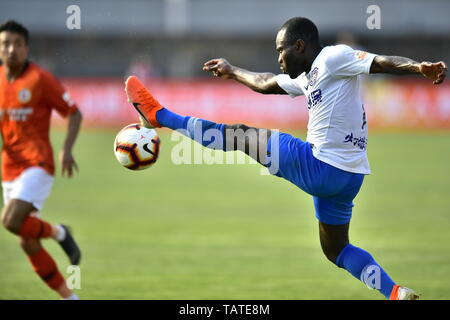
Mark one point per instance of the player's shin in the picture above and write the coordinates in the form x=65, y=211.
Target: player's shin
x=207, y=133
x=44, y=265
x=363, y=267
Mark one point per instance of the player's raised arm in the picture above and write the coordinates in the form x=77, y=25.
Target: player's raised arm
x=259, y=82
x=403, y=66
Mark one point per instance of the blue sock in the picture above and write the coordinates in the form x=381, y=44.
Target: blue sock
x=207, y=133
x=363, y=267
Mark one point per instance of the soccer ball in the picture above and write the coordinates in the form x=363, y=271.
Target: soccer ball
x=136, y=147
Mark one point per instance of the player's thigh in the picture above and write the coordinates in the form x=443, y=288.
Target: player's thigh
x=333, y=210
x=250, y=140
x=32, y=186
x=292, y=159
x=333, y=202
x=15, y=212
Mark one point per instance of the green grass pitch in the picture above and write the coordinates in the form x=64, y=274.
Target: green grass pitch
x=227, y=232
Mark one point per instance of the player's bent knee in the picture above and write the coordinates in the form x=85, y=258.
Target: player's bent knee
x=9, y=222
x=236, y=137
x=238, y=126
x=13, y=216
x=331, y=252
x=5, y=219
x=330, y=255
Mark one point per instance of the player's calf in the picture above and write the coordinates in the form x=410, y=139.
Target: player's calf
x=333, y=238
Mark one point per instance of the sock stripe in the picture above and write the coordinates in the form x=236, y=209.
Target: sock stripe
x=47, y=277
x=191, y=124
x=46, y=268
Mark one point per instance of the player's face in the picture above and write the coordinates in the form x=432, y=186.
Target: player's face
x=291, y=57
x=13, y=49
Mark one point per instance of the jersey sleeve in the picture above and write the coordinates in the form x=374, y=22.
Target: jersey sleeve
x=291, y=86
x=343, y=61
x=56, y=96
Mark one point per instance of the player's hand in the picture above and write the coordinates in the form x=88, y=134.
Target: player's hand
x=68, y=164
x=434, y=71
x=219, y=68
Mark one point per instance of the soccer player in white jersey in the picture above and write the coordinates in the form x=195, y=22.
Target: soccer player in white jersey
x=332, y=163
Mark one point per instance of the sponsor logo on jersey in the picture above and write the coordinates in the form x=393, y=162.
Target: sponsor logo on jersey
x=19, y=114
x=68, y=99
x=314, y=98
x=361, y=142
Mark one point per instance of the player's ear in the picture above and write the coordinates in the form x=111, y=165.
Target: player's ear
x=299, y=45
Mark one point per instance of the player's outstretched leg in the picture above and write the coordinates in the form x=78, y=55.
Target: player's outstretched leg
x=252, y=141
x=336, y=247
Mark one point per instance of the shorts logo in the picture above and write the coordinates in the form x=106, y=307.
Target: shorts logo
x=24, y=96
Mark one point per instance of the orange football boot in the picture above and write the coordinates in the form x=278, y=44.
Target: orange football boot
x=142, y=100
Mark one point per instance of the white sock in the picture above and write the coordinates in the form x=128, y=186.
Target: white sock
x=61, y=233
x=72, y=297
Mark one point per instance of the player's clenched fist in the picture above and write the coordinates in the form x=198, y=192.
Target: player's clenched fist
x=219, y=67
x=434, y=71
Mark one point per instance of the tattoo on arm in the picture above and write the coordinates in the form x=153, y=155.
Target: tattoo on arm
x=259, y=82
x=394, y=65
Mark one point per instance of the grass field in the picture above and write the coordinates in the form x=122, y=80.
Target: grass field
x=226, y=232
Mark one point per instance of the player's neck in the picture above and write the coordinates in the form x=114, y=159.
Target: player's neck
x=13, y=72
x=313, y=53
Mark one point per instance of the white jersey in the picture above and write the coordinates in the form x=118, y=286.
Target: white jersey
x=337, y=126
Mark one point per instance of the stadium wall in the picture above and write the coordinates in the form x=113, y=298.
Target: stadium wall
x=409, y=103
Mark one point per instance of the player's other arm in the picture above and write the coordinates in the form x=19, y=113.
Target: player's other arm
x=259, y=82
x=404, y=66
x=57, y=98
x=67, y=159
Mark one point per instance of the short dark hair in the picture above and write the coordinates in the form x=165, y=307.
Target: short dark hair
x=300, y=28
x=13, y=26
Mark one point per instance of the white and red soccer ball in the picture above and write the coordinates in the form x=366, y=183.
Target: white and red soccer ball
x=137, y=147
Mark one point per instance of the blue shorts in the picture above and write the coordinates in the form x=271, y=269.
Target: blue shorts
x=333, y=189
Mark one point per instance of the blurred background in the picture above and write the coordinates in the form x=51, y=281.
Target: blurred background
x=222, y=231
x=169, y=40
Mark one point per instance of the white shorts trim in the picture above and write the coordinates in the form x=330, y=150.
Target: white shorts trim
x=33, y=185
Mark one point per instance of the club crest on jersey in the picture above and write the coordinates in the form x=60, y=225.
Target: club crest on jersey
x=361, y=55
x=24, y=96
x=313, y=76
